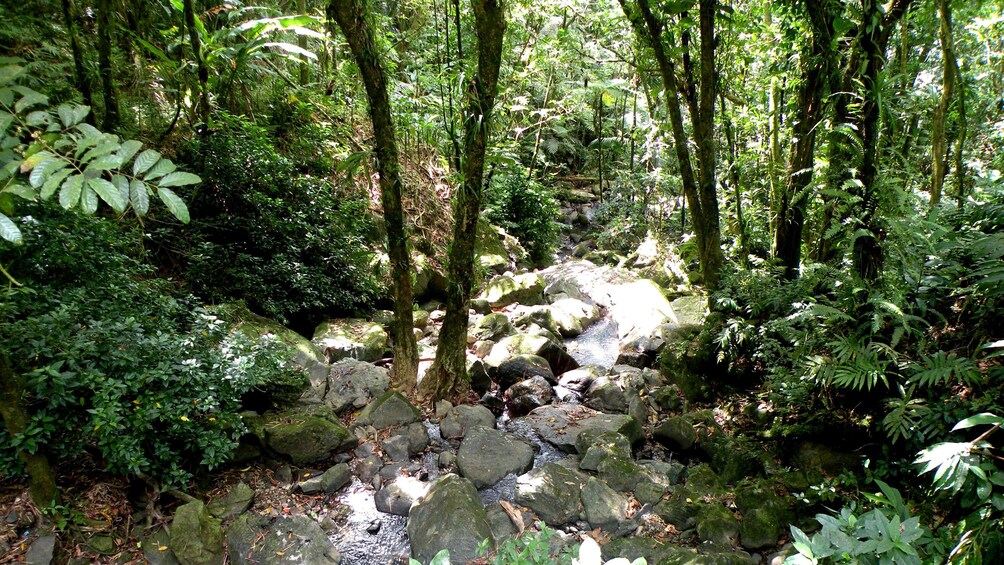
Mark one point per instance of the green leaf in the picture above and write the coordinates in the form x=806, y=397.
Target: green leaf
x=144, y=161
x=163, y=167
x=139, y=197
x=33, y=161
x=441, y=558
x=56, y=179
x=37, y=118
x=18, y=189
x=44, y=169
x=9, y=230
x=69, y=194
x=128, y=149
x=174, y=203
x=66, y=115
x=109, y=193
x=31, y=99
x=290, y=48
x=10, y=73
x=978, y=420
x=105, y=163
x=5, y=121
x=88, y=200
x=179, y=179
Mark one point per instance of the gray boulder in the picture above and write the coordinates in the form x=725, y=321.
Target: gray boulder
x=235, y=503
x=351, y=384
x=41, y=551
x=553, y=352
x=522, y=367
x=561, y=424
x=328, y=482
x=487, y=455
x=196, y=537
x=286, y=540
x=355, y=338
x=553, y=492
x=606, y=395
x=580, y=379
x=526, y=289
x=492, y=327
x=303, y=434
x=397, y=496
x=603, y=507
x=462, y=418
x=676, y=433
x=388, y=409
x=450, y=516
x=524, y=396
x=573, y=316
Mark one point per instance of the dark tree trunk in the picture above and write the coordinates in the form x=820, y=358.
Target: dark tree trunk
x=351, y=18
x=200, y=64
x=950, y=73
x=794, y=198
x=448, y=374
x=83, y=84
x=41, y=479
x=704, y=129
x=301, y=42
x=111, y=118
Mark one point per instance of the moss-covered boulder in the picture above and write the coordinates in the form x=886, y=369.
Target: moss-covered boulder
x=552, y=492
x=493, y=326
x=389, y=409
x=196, y=537
x=676, y=433
x=286, y=540
x=717, y=525
x=356, y=338
x=526, y=289
x=450, y=516
x=303, y=434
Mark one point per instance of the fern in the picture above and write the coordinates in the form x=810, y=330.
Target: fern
x=943, y=369
x=905, y=416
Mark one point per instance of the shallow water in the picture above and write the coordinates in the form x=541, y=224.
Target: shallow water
x=598, y=345
x=388, y=546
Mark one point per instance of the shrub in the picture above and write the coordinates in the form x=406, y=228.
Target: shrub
x=527, y=210
x=114, y=363
x=289, y=245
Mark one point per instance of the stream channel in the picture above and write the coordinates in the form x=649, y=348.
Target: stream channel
x=367, y=536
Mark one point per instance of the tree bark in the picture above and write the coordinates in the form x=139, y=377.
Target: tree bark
x=196, y=44
x=950, y=72
x=41, y=479
x=301, y=42
x=83, y=85
x=448, y=375
x=110, y=122
x=793, y=199
x=350, y=16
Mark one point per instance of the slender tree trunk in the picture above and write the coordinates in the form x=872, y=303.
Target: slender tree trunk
x=598, y=127
x=961, y=179
x=301, y=42
x=794, y=198
x=540, y=126
x=193, y=36
x=111, y=118
x=704, y=129
x=83, y=84
x=41, y=479
x=448, y=374
x=350, y=16
x=733, y=176
x=950, y=69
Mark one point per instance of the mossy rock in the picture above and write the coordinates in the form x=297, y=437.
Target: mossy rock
x=389, y=409
x=196, y=537
x=356, y=338
x=702, y=480
x=717, y=525
x=304, y=434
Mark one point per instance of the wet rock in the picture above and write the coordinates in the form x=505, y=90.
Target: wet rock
x=196, y=537
x=462, y=418
x=552, y=351
x=502, y=526
x=493, y=403
x=235, y=503
x=418, y=437
x=492, y=327
x=606, y=395
x=368, y=468
x=760, y=528
x=562, y=394
x=552, y=491
x=525, y=317
x=397, y=496
x=303, y=434
x=595, y=447
x=487, y=455
x=351, y=384
x=450, y=516
x=443, y=408
x=561, y=424
x=522, y=367
x=526, y=289
x=396, y=448
x=524, y=396
x=297, y=540
x=481, y=382
x=329, y=482
x=676, y=433
x=41, y=551
x=620, y=473
x=284, y=474
x=666, y=473
x=579, y=379
x=649, y=492
x=572, y=316
x=388, y=409
x=447, y=459
x=481, y=306
x=603, y=507
x=717, y=525
x=355, y=338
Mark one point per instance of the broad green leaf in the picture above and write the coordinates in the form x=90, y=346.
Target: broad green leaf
x=53, y=183
x=9, y=230
x=18, y=189
x=10, y=72
x=139, y=197
x=37, y=118
x=88, y=200
x=5, y=121
x=128, y=149
x=144, y=161
x=109, y=193
x=290, y=48
x=978, y=420
x=105, y=163
x=6, y=97
x=32, y=161
x=80, y=112
x=65, y=112
x=179, y=179
x=44, y=169
x=163, y=167
x=104, y=147
x=122, y=185
x=174, y=203
x=29, y=100
x=69, y=194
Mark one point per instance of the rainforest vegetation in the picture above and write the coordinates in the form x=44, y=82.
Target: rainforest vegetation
x=188, y=188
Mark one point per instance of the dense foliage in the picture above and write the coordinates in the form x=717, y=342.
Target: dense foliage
x=526, y=209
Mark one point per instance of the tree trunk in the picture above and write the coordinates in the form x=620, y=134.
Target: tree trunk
x=704, y=129
x=111, y=118
x=301, y=42
x=448, y=374
x=794, y=198
x=947, y=92
x=200, y=64
x=351, y=18
x=41, y=479
x=83, y=85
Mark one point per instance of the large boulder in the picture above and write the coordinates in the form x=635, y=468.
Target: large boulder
x=487, y=455
x=561, y=424
x=526, y=289
x=388, y=409
x=303, y=434
x=552, y=491
x=524, y=396
x=351, y=384
x=196, y=537
x=557, y=358
x=428, y=280
x=639, y=308
x=573, y=316
x=676, y=433
x=520, y=368
x=490, y=249
x=494, y=327
x=462, y=418
x=235, y=503
x=450, y=516
x=604, y=507
x=355, y=338
x=286, y=540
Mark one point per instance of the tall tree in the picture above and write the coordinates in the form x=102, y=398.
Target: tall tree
x=950, y=71
x=351, y=17
x=699, y=189
x=793, y=198
x=110, y=122
x=448, y=374
x=188, y=12
x=83, y=84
